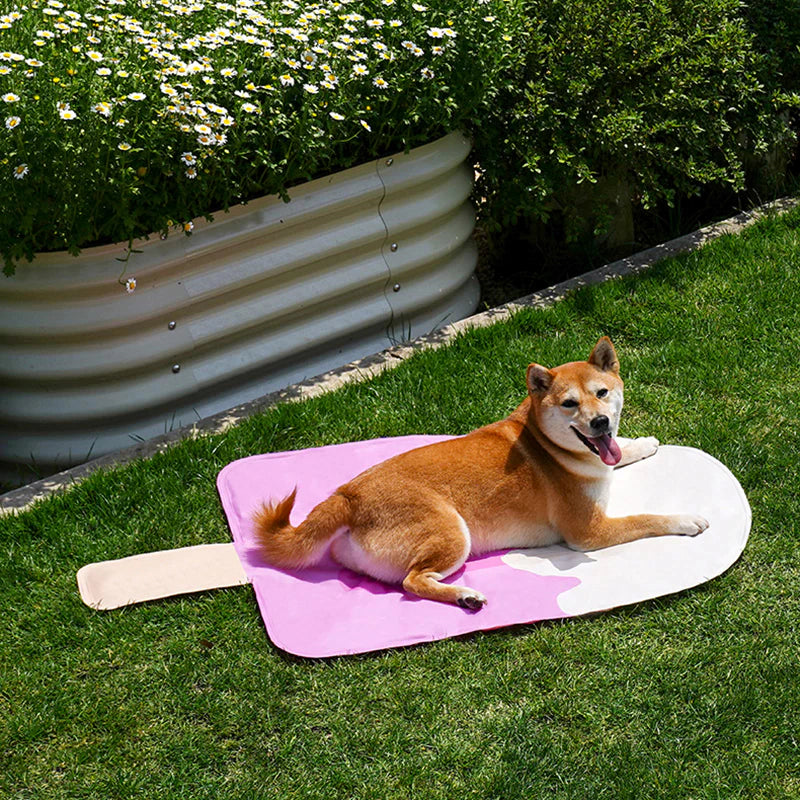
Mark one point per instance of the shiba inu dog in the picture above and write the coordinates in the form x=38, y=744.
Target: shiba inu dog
x=538, y=477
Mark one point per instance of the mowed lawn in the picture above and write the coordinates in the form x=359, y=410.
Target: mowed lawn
x=695, y=695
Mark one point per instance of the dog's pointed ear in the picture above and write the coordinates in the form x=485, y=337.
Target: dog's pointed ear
x=604, y=356
x=539, y=379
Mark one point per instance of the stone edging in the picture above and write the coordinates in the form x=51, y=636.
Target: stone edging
x=19, y=499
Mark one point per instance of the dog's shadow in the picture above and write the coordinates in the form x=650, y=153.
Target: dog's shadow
x=559, y=556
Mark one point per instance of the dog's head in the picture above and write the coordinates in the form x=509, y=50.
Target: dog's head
x=578, y=405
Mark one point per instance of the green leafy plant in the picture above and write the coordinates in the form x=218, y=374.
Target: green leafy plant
x=776, y=27
x=665, y=97
x=125, y=117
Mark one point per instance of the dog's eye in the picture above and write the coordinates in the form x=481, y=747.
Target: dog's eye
x=602, y=392
x=569, y=404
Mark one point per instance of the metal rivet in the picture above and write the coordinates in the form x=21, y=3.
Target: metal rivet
x=176, y=368
x=389, y=162
x=393, y=247
x=171, y=326
x=396, y=287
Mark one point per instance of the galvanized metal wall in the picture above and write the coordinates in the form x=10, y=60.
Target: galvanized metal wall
x=264, y=296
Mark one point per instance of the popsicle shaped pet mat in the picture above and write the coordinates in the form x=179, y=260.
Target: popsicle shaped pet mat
x=328, y=610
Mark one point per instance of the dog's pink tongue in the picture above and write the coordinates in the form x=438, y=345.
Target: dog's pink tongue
x=608, y=449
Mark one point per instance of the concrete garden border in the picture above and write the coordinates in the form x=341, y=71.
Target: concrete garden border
x=19, y=499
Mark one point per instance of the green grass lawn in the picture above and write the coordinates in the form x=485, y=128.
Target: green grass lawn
x=695, y=695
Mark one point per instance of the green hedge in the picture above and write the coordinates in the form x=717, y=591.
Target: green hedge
x=776, y=27
x=666, y=97
x=126, y=117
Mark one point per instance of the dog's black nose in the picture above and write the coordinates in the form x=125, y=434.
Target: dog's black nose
x=599, y=424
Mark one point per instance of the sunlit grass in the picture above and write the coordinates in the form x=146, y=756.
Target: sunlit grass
x=693, y=695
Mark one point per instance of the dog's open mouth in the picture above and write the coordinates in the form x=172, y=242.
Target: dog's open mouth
x=604, y=446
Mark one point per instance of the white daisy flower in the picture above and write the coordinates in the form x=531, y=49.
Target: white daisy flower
x=204, y=140
x=21, y=171
x=10, y=97
x=311, y=88
x=249, y=108
x=204, y=129
x=287, y=80
x=138, y=96
x=360, y=69
x=419, y=7
x=365, y=125
x=67, y=114
x=435, y=33
x=93, y=55
x=103, y=109
x=130, y=285
x=188, y=227
x=102, y=72
x=124, y=146
x=188, y=158
x=191, y=173
x=12, y=122
x=380, y=83
x=375, y=23
x=336, y=115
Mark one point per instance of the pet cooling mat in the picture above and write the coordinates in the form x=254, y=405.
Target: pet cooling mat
x=328, y=610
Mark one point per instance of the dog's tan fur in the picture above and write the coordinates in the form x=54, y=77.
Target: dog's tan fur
x=526, y=481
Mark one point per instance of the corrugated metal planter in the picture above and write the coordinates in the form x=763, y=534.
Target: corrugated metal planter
x=262, y=297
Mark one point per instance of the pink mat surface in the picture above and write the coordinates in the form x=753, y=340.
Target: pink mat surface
x=329, y=610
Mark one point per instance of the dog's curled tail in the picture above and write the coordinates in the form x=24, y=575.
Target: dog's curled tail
x=286, y=546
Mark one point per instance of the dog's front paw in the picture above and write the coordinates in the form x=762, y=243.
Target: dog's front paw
x=634, y=450
x=648, y=445
x=690, y=524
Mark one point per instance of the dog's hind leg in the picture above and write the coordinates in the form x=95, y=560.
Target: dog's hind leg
x=444, y=552
x=417, y=548
x=427, y=584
